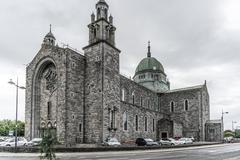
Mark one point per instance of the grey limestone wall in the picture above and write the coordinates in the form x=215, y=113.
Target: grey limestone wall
x=75, y=79
x=190, y=119
x=46, y=55
x=213, y=132
x=145, y=111
x=102, y=91
x=205, y=110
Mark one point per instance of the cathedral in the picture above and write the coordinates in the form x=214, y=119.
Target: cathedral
x=86, y=99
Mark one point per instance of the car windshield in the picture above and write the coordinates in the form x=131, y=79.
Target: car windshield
x=149, y=140
x=182, y=139
x=9, y=140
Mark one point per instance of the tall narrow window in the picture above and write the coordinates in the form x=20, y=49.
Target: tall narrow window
x=159, y=104
x=153, y=123
x=186, y=105
x=125, y=121
x=123, y=94
x=98, y=13
x=136, y=123
x=146, y=123
x=106, y=13
x=141, y=101
x=80, y=127
x=148, y=103
x=49, y=109
x=172, y=106
x=133, y=98
x=112, y=119
x=95, y=32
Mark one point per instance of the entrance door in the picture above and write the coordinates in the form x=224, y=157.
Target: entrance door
x=164, y=135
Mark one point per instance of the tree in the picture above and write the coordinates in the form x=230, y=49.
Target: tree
x=9, y=125
x=229, y=133
x=47, y=144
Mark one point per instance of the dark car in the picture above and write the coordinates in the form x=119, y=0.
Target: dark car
x=145, y=142
x=141, y=142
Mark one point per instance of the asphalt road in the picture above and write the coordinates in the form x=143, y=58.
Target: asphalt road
x=215, y=152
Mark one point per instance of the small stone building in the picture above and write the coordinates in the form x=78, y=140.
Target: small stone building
x=214, y=130
x=86, y=99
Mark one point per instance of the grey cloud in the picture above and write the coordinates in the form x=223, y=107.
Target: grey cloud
x=187, y=36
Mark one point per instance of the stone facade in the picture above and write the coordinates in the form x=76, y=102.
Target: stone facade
x=214, y=130
x=87, y=100
x=190, y=108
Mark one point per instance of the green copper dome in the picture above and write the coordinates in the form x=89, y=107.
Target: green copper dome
x=149, y=64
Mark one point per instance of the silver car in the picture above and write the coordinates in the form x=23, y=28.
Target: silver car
x=168, y=141
x=150, y=142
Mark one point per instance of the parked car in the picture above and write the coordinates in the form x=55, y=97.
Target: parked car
x=145, y=142
x=35, y=142
x=168, y=141
x=192, y=138
x=11, y=142
x=228, y=139
x=111, y=142
x=185, y=141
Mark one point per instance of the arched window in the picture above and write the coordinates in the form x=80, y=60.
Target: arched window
x=136, y=123
x=145, y=123
x=49, y=110
x=159, y=104
x=186, y=105
x=153, y=123
x=80, y=127
x=148, y=103
x=141, y=101
x=98, y=13
x=123, y=94
x=95, y=32
x=125, y=121
x=133, y=98
x=172, y=106
x=106, y=13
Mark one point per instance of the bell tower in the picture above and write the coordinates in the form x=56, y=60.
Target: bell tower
x=101, y=27
x=102, y=83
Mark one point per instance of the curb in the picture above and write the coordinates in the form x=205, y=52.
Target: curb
x=99, y=149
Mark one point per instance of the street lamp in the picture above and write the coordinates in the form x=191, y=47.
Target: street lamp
x=222, y=123
x=233, y=125
x=223, y=114
x=20, y=87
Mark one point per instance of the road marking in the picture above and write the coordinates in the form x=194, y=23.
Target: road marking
x=234, y=158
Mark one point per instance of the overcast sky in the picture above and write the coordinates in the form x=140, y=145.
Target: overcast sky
x=195, y=40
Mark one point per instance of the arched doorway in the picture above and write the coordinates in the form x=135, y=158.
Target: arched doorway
x=164, y=129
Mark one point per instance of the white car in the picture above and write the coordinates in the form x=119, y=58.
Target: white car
x=35, y=142
x=185, y=141
x=169, y=141
x=11, y=142
x=150, y=142
x=112, y=142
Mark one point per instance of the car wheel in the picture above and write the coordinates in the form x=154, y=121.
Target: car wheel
x=172, y=144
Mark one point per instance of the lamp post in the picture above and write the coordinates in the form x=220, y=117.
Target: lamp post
x=20, y=87
x=222, y=122
x=233, y=125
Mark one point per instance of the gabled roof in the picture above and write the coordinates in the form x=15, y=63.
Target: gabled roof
x=214, y=121
x=186, y=89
